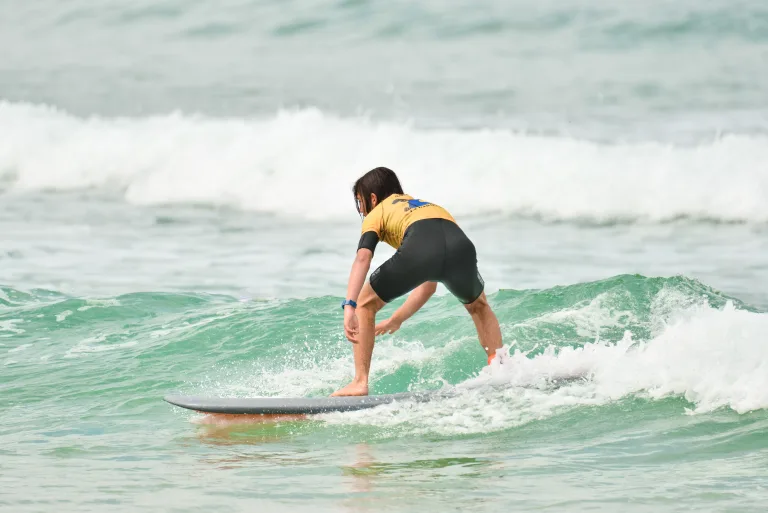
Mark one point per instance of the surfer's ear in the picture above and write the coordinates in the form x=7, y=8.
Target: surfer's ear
x=374, y=201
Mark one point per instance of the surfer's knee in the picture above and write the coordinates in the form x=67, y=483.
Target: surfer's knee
x=478, y=306
x=368, y=300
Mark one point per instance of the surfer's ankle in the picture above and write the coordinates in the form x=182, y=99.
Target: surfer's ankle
x=500, y=355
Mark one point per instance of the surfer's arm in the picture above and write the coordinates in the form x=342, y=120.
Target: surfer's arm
x=356, y=279
x=415, y=301
x=359, y=271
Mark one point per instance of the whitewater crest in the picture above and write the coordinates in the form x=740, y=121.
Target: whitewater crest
x=255, y=164
x=712, y=357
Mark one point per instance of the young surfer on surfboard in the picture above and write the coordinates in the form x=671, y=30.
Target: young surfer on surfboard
x=430, y=247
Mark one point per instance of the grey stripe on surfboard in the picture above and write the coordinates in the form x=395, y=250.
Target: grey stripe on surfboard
x=298, y=405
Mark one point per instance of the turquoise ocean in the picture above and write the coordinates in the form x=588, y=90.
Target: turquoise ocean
x=176, y=217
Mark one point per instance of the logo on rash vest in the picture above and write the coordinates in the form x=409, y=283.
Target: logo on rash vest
x=413, y=203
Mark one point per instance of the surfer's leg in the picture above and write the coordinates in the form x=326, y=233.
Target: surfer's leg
x=488, y=330
x=412, y=265
x=463, y=279
x=368, y=303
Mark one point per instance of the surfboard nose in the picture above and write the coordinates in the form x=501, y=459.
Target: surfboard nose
x=184, y=401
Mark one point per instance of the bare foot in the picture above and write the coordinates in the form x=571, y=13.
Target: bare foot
x=352, y=389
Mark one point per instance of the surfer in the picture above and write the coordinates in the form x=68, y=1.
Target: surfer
x=431, y=248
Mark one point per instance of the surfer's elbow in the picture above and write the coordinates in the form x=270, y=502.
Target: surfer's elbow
x=364, y=257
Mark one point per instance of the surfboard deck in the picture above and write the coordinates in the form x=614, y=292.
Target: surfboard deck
x=292, y=405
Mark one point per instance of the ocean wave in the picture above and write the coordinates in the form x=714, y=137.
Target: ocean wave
x=710, y=357
x=302, y=163
x=627, y=338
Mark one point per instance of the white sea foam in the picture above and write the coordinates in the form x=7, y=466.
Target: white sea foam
x=713, y=358
x=587, y=317
x=97, y=303
x=60, y=317
x=299, y=378
x=96, y=344
x=302, y=163
x=9, y=325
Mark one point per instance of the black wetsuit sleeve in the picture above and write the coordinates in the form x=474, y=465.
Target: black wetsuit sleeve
x=368, y=240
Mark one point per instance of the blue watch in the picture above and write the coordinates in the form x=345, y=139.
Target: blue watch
x=348, y=302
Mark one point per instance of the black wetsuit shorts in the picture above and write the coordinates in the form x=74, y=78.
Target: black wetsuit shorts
x=432, y=250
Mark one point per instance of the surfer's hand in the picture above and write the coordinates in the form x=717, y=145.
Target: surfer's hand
x=388, y=326
x=351, y=326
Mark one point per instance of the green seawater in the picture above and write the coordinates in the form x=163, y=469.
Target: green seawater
x=622, y=395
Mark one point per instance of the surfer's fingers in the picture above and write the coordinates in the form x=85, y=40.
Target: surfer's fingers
x=351, y=336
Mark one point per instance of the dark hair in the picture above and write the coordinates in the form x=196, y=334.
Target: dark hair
x=381, y=181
